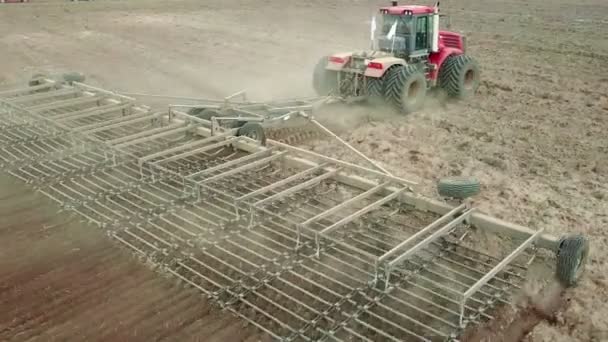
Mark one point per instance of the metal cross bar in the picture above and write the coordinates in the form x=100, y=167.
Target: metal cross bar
x=340, y=163
x=115, y=123
x=425, y=230
x=243, y=168
x=431, y=238
x=146, y=136
x=231, y=163
x=14, y=92
x=363, y=211
x=186, y=154
x=347, y=203
x=294, y=189
x=42, y=96
x=488, y=276
x=65, y=103
x=84, y=113
x=289, y=109
x=282, y=182
x=349, y=146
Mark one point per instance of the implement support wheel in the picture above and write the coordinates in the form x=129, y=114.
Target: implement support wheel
x=571, y=259
x=254, y=131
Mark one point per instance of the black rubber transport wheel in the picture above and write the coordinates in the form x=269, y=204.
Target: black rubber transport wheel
x=458, y=187
x=571, y=259
x=254, y=131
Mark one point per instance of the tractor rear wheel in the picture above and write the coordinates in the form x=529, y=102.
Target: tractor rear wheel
x=459, y=76
x=324, y=81
x=375, y=89
x=405, y=88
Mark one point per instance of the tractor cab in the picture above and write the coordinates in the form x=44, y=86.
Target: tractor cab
x=405, y=31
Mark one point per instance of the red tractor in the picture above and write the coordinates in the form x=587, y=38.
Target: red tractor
x=409, y=56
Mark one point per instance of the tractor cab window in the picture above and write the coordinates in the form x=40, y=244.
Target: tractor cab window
x=422, y=29
x=404, y=24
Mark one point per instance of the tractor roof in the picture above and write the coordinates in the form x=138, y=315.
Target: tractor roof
x=414, y=9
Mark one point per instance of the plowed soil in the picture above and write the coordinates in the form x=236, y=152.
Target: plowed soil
x=61, y=280
x=535, y=133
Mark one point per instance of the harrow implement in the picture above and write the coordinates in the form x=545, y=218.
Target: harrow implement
x=301, y=245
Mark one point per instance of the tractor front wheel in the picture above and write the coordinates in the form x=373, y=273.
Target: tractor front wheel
x=459, y=76
x=324, y=81
x=405, y=88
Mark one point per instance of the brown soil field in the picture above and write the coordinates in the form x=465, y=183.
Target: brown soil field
x=534, y=134
x=61, y=280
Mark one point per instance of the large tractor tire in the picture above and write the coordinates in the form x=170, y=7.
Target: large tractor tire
x=375, y=89
x=459, y=76
x=324, y=81
x=571, y=259
x=405, y=88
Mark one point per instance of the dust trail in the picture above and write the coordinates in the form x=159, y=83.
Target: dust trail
x=514, y=324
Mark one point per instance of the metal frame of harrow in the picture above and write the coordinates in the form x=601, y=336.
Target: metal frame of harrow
x=292, y=241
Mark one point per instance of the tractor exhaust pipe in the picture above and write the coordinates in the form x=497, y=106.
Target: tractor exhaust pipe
x=435, y=36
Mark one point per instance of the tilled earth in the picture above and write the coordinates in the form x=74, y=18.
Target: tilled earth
x=534, y=134
x=63, y=281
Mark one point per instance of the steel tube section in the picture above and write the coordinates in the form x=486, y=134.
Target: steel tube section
x=245, y=167
x=103, y=91
x=156, y=133
x=280, y=183
x=294, y=189
x=340, y=163
x=290, y=109
x=488, y=276
x=115, y=123
x=230, y=163
x=42, y=96
x=65, y=103
x=189, y=153
x=431, y=238
x=357, y=152
x=423, y=231
x=85, y=113
x=14, y=92
x=345, y=204
x=362, y=212
x=143, y=134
